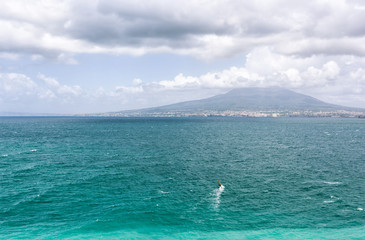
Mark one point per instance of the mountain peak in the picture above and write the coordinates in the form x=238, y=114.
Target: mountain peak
x=240, y=91
x=261, y=99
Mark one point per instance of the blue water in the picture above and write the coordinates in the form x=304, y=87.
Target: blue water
x=146, y=178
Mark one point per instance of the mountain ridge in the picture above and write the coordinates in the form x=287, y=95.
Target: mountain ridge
x=272, y=101
x=254, y=99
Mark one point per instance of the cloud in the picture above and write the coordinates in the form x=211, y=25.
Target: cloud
x=340, y=81
x=313, y=46
x=334, y=81
x=124, y=89
x=18, y=91
x=50, y=82
x=14, y=85
x=61, y=90
x=199, y=28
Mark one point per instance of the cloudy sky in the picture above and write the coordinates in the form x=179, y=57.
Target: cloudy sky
x=83, y=56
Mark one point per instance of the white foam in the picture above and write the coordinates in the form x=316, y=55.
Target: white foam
x=360, y=209
x=333, y=183
x=331, y=201
x=160, y=191
x=4, y=155
x=217, y=196
x=33, y=150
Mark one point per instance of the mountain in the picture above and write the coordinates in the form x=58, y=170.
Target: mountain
x=252, y=99
x=249, y=102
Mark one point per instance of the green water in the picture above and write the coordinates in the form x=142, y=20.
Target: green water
x=121, y=178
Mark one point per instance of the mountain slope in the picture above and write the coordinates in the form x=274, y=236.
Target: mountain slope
x=251, y=99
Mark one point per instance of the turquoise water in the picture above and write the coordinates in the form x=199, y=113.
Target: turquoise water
x=125, y=178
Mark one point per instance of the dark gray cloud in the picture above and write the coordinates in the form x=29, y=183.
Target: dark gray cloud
x=110, y=23
x=200, y=28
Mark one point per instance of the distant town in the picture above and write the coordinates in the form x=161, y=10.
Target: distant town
x=337, y=113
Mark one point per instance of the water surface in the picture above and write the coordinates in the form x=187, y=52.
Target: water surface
x=141, y=178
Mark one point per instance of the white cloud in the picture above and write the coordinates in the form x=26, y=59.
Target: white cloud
x=18, y=91
x=47, y=95
x=69, y=90
x=320, y=76
x=61, y=90
x=137, y=81
x=67, y=59
x=124, y=89
x=340, y=81
x=264, y=68
x=14, y=85
x=331, y=70
x=50, y=82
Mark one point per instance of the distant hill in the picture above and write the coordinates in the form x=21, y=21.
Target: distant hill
x=252, y=102
x=252, y=99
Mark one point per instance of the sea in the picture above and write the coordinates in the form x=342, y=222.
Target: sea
x=157, y=178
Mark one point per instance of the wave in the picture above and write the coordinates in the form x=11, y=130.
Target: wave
x=23, y=198
x=334, y=199
x=26, y=167
x=162, y=192
x=333, y=183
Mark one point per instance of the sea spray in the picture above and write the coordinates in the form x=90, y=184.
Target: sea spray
x=217, y=196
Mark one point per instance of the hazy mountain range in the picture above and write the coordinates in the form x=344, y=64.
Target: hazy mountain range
x=252, y=99
x=243, y=100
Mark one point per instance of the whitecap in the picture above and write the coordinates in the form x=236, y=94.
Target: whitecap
x=333, y=183
x=4, y=155
x=330, y=201
x=160, y=191
x=360, y=209
x=33, y=150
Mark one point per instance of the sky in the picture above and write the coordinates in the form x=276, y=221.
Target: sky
x=91, y=56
